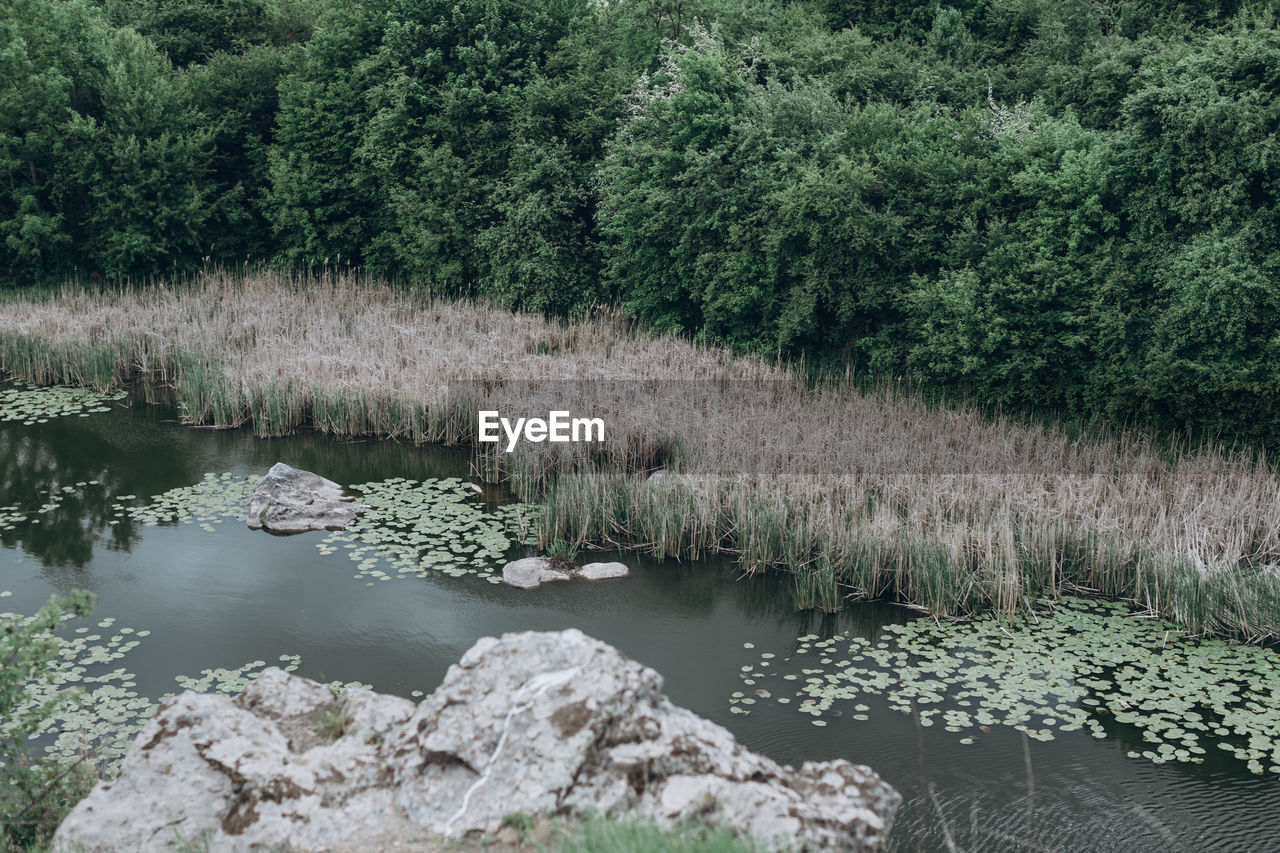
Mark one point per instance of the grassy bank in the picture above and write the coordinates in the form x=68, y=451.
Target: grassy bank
x=871, y=495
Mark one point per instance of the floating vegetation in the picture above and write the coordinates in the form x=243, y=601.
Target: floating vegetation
x=412, y=527
x=11, y=517
x=31, y=404
x=1078, y=668
x=14, y=515
x=216, y=498
x=231, y=682
x=435, y=526
x=109, y=711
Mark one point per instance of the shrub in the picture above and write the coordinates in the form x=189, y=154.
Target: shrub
x=34, y=795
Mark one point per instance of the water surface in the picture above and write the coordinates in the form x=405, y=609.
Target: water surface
x=226, y=597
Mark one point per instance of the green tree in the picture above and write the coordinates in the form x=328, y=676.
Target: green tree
x=1213, y=362
x=660, y=180
x=236, y=95
x=1010, y=319
x=191, y=32
x=104, y=162
x=140, y=164
x=322, y=200
x=437, y=142
x=46, y=63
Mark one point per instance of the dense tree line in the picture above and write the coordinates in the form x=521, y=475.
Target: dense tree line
x=1065, y=203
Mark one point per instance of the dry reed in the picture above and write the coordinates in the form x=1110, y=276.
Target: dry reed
x=869, y=495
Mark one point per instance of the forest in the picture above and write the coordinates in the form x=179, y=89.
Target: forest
x=1069, y=205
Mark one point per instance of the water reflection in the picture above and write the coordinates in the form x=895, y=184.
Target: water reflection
x=67, y=475
x=65, y=485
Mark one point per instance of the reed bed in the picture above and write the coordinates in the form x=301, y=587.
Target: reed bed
x=865, y=495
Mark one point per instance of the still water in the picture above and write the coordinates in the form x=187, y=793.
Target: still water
x=224, y=597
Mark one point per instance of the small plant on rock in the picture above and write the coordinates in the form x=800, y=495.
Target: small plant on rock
x=330, y=723
x=562, y=555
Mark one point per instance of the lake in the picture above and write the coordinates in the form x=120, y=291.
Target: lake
x=219, y=596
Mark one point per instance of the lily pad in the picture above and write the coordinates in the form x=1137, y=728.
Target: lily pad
x=1068, y=670
x=107, y=712
x=434, y=526
x=31, y=404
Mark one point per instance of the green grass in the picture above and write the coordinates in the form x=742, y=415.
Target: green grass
x=605, y=836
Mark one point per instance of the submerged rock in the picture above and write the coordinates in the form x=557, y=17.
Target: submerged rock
x=292, y=501
x=534, y=723
x=603, y=571
x=531, y=572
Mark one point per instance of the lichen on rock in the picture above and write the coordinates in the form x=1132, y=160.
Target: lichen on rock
x=533, y=723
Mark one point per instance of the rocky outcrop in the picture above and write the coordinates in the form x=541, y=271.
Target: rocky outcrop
x=535, y=723
x=532, y=572
x=292, y=501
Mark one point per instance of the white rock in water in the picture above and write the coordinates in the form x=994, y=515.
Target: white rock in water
x=292, y=501
x=602, y=571
x=531, y=572
x=532, y=723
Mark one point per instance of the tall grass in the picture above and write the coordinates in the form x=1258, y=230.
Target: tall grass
x=864, y=494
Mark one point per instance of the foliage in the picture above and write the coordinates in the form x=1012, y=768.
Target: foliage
x=1175, y=698
x=34, y=795
x=599, y=835
x=1030, y=202
x=321, y=204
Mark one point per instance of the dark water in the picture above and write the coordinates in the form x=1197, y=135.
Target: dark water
x=225, y=598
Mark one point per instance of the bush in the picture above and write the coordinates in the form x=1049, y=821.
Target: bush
x=34, y=795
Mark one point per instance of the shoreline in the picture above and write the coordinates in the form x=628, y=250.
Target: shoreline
x=853, y=494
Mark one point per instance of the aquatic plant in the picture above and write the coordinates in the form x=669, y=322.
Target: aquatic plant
x=91, y=704
x=417, y=528
x=411, y=527
x=38, y=405
x=857, y=494
x=1081, y=666
x=31, y=792
x=11, y=517
x=216, y=498
x=231, y=682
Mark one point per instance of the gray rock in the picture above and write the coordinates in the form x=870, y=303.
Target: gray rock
x=536, y=723
x=531, y=572
x=601, y=571
x=292, y=501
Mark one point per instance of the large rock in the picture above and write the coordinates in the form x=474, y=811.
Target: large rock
x=535, y=723
x=603, y=571
x=292, y=501
x=531, y=572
